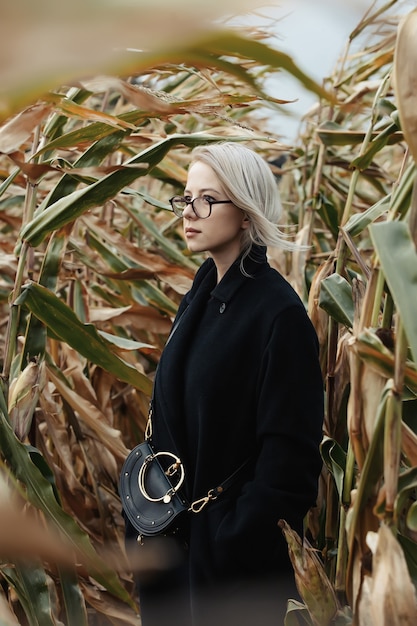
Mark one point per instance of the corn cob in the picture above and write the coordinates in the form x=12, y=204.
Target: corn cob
x=312, y=582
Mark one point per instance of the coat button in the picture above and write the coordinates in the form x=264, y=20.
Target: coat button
x=222, y=307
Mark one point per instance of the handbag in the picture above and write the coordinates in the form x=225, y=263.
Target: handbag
x=150, y=491
x=150, y=484
x=150, y=487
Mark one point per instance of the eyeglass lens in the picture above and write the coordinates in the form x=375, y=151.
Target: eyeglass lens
x=201, y=207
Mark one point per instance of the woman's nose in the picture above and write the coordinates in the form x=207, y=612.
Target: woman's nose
x=188, y=211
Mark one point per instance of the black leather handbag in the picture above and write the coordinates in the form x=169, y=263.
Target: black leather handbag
x=150, y=485
x=150, y=488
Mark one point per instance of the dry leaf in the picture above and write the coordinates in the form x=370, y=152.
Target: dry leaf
x=405, y=78
x=390, y=594
x=312, y=582
x=18, y=129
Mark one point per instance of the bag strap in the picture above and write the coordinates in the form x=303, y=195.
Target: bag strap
x=213, y=494
x=148, y=429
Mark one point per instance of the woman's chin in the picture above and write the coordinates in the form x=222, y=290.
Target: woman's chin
x=194, y=247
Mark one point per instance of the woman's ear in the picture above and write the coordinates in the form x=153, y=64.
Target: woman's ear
x=245, y=222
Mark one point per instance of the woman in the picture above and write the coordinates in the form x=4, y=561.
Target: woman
x=239, y=392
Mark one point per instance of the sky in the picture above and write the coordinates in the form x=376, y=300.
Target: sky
x=314, y=33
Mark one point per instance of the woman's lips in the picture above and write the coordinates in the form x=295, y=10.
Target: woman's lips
x=190, y=232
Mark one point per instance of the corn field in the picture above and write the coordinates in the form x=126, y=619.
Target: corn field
x=94, y=264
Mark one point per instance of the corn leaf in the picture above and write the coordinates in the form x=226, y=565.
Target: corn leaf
x=68, y=208
x=40, y=493
x=365, y=160
x=398, y=258
x=31, y=586
x=405, y=78
x=63, y=324
x=336, y=299
x=335, y=458
x=359, y=221
x=74, y=600
x=410, y=552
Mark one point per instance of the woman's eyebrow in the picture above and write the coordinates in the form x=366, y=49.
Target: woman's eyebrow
x=202, y=191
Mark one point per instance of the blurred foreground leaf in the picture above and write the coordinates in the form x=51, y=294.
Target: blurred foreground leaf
x=39, y=492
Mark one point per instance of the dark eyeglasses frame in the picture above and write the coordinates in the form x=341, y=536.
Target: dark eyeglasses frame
x=210, y=202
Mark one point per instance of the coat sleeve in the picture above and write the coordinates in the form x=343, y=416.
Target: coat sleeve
x=288, y=430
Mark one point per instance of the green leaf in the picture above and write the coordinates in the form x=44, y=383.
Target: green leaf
x=39, y=492
x=398, y=258
x=57, y=122
x=403, y=193
x=406, y=488
x=376, y=145
x=123, y=343
x=371, y=350
x=163, y=242
x=335, y=459
x=39, y=460
x=397, y=203
x=73, y=599
x=3, y=403
x=143, y=291
x=93, y=156
x=359, y=221
x=332, y=134
x=336, y=299
x=35, y=335
x=329, y=214
x=410, y=552
x=8, y=181
x=31, y=586
x=65, y=326
x=412, y=517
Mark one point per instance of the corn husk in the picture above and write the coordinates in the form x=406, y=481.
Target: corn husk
x=312, y=582
x=23, y=398
x=388, y=597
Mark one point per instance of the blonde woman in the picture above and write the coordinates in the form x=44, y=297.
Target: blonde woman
x=238, y=392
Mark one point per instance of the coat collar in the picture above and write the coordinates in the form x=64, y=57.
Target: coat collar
x=234, y=278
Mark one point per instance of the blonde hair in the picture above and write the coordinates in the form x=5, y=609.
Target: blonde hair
x=249, y=183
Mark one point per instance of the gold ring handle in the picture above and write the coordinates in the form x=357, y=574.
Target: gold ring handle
x=172, y=469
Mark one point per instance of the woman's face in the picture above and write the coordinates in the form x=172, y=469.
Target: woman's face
x=221, y=233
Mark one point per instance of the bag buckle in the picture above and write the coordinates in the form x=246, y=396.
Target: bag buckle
x=173, y=469
x=198, y=505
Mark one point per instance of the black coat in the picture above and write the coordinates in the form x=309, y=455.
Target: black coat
x=240, y=379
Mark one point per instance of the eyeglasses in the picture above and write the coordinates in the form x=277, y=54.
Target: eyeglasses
x=201, y=205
